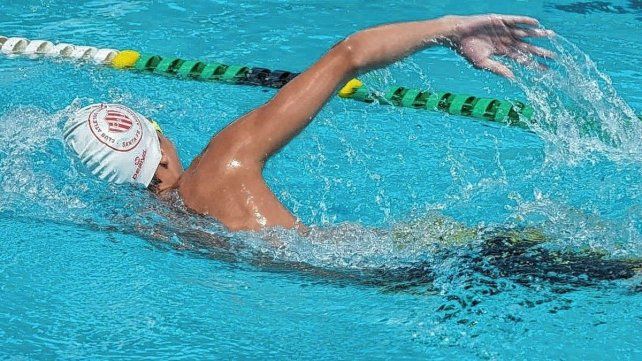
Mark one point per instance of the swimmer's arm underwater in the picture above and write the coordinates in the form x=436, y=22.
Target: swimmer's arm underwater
x=226, y=180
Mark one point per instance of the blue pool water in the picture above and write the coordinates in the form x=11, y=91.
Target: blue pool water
x=401, y=200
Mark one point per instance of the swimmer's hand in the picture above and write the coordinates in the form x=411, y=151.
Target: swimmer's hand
x=479, y=38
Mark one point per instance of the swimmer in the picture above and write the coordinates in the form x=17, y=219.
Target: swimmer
x=225, y=181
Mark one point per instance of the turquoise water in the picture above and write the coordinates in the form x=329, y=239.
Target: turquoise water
x=91, y=270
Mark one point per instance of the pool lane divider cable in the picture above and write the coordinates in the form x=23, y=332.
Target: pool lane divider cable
x=509, y=112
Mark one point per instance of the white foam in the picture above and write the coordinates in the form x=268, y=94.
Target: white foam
x=579, y=114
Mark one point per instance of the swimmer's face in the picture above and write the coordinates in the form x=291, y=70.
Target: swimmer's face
x=169, y=170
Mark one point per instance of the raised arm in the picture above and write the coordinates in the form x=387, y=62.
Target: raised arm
x=226, y=181
x=262, y=132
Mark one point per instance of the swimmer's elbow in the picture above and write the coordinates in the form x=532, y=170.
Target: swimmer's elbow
x=350, y=53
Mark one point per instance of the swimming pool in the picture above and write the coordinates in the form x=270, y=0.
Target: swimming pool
x=90, y=270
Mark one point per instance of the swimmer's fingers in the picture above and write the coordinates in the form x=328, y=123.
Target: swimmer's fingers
x=532, y=33
x=496, y=67
x=526, y=60
x=514, y=20
x=535, y=50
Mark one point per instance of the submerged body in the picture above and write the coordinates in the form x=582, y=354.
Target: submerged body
x=416, y=253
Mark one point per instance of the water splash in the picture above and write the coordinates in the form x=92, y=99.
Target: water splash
x=41, y=180
x=578, y=111
x=29, y=158
x=573, y=228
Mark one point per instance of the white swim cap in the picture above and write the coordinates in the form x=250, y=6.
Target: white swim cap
x=116, y=143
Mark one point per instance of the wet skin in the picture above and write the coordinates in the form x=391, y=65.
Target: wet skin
x=226, y=180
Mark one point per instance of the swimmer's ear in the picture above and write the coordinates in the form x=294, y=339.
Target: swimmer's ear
x=164, y=159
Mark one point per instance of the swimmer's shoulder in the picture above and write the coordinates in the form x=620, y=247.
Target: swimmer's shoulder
x=232, y=192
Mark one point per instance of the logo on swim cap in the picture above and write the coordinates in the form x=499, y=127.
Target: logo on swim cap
x=115, y=126
x=118, y=121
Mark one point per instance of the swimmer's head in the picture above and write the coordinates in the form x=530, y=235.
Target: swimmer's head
x=119, y=145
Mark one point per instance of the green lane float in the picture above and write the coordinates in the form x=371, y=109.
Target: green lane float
x=514, y=113
x=503, y=111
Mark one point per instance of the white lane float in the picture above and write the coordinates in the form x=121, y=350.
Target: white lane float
x=83, y=53
x=35, y=48
x=14, y=46
x=105, y=56
x=61, y=50
x=38, y=47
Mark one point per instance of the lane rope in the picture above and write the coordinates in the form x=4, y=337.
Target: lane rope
x=14, y=46
x=509, y=112
x=38, y=48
